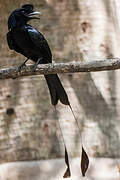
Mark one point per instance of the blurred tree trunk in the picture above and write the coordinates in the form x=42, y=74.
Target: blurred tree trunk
x=91, y=31
x=76, y=30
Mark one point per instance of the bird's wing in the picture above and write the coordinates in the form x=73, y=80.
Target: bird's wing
x=40, y=43
x=11, y=42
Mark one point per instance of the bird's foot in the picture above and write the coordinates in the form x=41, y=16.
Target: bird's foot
x=34, y=68
x=36, y=64
x=21, y=66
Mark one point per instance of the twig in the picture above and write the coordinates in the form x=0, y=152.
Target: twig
x=72, y=67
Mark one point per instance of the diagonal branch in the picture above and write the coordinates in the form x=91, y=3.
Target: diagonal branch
x=72, y=67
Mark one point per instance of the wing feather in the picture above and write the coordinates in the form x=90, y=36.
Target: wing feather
x=11, y=43
x=40, y=43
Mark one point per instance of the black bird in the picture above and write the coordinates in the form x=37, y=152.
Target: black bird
x=26, y=40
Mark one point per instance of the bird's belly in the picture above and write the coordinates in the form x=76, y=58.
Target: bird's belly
x=31, y=54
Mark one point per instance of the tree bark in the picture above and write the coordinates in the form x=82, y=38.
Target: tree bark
x=72, y=67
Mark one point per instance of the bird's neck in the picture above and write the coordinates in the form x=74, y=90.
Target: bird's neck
x=18, y=27
x=21, y=23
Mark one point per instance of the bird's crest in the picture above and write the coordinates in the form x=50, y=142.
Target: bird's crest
x=28, y=7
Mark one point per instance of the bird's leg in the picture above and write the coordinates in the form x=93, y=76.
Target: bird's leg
x=36, y=64
x=22, y=65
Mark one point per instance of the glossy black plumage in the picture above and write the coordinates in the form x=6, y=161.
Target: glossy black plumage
x=26, y=40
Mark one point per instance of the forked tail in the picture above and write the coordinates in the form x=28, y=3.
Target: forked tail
x=57, y=92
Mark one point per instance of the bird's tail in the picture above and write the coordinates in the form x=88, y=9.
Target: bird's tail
x=56, y=89
x=57, y=92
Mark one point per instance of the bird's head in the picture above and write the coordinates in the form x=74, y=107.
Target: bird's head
x=21, y=16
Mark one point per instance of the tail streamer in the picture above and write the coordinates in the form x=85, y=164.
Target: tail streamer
x=84, y=156
x=67, y=173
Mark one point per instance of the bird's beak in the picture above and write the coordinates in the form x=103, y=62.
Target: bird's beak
x=32, y=15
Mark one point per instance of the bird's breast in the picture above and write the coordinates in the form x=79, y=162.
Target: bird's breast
x=24, y=42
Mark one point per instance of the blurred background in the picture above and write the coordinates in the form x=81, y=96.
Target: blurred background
x=76, y=30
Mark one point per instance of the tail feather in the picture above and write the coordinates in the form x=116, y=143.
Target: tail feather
x=56, y=89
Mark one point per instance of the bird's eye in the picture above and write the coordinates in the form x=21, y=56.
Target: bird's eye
x=23, y=11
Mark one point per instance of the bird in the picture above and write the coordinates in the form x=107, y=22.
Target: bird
x=28, y=41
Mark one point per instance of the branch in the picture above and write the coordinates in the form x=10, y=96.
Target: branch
x=72, y=67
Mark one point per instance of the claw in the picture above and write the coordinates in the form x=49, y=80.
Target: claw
x=21, y=66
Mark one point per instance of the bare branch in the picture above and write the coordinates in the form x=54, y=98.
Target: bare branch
x=72, y=67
